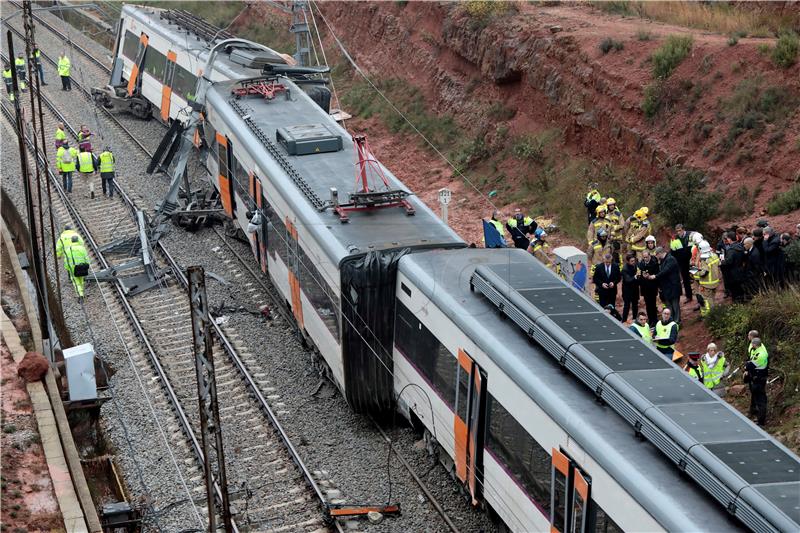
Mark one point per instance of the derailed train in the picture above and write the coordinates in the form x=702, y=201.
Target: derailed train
x=550, y=414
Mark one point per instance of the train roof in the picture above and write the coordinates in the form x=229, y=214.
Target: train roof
x=185, y=41
x=304, y=181
x=638, y=466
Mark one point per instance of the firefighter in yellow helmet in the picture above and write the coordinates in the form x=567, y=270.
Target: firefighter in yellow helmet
x=638, y=231
x=600, y=222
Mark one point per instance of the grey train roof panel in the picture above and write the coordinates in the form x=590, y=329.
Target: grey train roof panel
x=672, y=499
x=378, y=229
x=722, y=450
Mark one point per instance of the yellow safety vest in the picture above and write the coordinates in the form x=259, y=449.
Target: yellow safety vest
x=663, y=331
x=60, y=135
x=69, y=166
x=106, y=162
x=20, y=63
x=7, y=74
x=759, y=357
x=512, y=222
x=85, y=163
x=499, y=225
x=710, y=279
x=713, y=374
x=64, y=66
x=65, y=241
x=644, y=331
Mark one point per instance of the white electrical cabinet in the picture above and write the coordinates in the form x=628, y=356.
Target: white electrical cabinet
x=572, y=265
x=79, y=361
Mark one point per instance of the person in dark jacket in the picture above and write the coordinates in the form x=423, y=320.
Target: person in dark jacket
x=648, y=268
x=669, y=282
x=774, y=259
x=606, y=278
x=681, y=250
x=630, y=287
x=755, y=267
x=734, y=267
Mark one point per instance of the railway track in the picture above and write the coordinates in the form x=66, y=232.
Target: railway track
x=266, y=475
x=257, y=280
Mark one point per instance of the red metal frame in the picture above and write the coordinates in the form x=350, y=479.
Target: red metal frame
x=267, y=89
x=370, y=193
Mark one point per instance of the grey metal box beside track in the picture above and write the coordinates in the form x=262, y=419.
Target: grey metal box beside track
x=308, y=139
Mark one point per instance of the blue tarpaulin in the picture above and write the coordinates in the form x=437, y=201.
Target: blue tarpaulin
x=492, y=237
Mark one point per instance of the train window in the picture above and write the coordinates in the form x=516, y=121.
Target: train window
x=520, y=454
x=155, y=64
x=240, y=178
x=319, y=293
x=559, y=499
x=276, y=237
x=602, y=522
x=222, y=158
x=463, y=393
x=184, y=83
x=130, y=45
x=430, y=357
x=405, y=289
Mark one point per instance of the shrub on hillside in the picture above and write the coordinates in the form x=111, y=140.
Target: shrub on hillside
x=681, y=198
x=651, y=103
x=608, y=44
x=786, y=49
x=784, y=202
x=670, y=54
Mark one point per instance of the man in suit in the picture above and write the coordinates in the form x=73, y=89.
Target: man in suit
x=606, y=278
x=669, y=282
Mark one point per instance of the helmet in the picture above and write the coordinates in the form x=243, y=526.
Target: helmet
x=645, y=210
x=650, y=238
x=697, y=237
x=641, y=215
x=541, y=234
x=538, y=232
x=705, y=247
x=611, y=201
x=600, y=208
x=602, y=232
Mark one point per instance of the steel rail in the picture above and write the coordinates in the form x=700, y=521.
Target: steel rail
x=64, y=38
x=221, y=338
x=86, y=93
x=135, y=323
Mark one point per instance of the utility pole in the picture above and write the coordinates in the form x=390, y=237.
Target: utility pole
x=33, y=84
x=210, y=427
x=38, y=274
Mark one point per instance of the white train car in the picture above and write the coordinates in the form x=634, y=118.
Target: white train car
x=519, y=432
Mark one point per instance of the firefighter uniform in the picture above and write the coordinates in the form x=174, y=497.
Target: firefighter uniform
x=638, y=231
x=708, y=277
x=539, y=249
x=595, y=248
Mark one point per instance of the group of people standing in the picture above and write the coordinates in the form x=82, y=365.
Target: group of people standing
x=68, y=160
x=64, y=72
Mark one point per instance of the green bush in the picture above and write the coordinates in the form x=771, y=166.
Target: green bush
x=643, y=35
x=680, y=198
x=608, y=44
x=652, y=101
x=784, y=202
x=786, y=49
x=670, y=54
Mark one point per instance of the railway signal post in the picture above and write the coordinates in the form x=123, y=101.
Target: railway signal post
x=444, y=200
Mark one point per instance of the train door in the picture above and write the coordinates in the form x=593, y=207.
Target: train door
x=134, y=83
x=292, y=252
x=166, y=88
x=569, y=493
x=259, y=237
x=224, y=161
x=469, y=424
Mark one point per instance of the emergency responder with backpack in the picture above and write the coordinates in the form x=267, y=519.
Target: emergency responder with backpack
x=77, y=263
x=66, y=161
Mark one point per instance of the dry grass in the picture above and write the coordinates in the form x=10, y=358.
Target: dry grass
x=723, y=17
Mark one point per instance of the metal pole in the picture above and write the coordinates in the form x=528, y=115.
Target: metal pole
x=35, y=87
x=23, y=162
x=444, y=213
x=210, y=426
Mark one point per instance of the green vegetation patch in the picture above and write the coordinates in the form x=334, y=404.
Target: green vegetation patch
x=784, y=202
x=608, y=44
x=681, y=198
x=786, y=49
x=670, y=54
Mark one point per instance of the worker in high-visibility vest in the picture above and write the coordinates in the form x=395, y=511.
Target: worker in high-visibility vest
x=22, y=77
x=641, y=328
x=714, y=368
x=666, y=333
x=87, y=165
x=8, y=79
x=65, y=240
x=708, y=276
x=107, y=169
x=77, y=263
x=64, y=67
x=756, y=372
x=36, y=58
x=61, y=135
x=66, y=162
